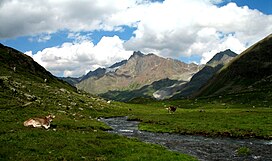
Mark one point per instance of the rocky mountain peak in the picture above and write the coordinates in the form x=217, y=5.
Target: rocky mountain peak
x=245, y=73
x=99, y=72
x=136, y=54
x=203, y=76
x=118, y=64
x=222, y=57
x=139, y=70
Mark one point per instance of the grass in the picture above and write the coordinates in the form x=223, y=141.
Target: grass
x=243, y=151
x=214, y=119
x=77, y=142
x=78, y=135
x=75, y=133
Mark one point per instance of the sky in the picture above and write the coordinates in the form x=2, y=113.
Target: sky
x=72, y=37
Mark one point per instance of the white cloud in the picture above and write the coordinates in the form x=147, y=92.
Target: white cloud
x=76, y=59
x=40, y=38
x=219, y=1
x=29, y=53
x=177, y=28
x=23, y=17
x=229, y=42
x=44, y=38
x=173, y=28
x=78, y=37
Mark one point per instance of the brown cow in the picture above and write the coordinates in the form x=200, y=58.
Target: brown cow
x=171, y=109
x=40, y=121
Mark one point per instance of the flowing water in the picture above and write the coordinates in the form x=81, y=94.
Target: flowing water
x=203, y=148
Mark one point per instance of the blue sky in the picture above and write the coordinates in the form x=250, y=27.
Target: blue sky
x=265, y=6
x=70, y=38
x=31, y=42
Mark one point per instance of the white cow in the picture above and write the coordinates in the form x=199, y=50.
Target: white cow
x=40, y=121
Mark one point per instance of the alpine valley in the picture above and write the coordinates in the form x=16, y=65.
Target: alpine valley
x=148, y=76
x=230, y=97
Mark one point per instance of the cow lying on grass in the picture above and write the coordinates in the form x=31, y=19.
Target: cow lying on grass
x=39, y=121
x=171, y=109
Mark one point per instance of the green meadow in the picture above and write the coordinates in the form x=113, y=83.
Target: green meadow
x=76, y=133
x=205, y=119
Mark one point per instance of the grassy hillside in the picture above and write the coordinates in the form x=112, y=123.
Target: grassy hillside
x=248, y=76
x=75, y=133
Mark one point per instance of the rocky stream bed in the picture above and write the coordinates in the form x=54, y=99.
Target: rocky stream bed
x=203, y=148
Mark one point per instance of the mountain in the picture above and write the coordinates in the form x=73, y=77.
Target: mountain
x=143, y=92
x=24, y=82
x=118, y=64
x=99, y=72
x=30, y=89
x=71, y=80
x=138, y=71
x=202, y=77
x=14, y=60
x=249, y=74
x=221, y=58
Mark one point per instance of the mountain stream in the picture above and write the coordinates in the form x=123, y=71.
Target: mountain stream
x=203, y=148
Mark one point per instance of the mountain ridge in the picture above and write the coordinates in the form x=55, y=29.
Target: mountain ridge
x=139, y=66
x=139, y=70
x=210, y=69
x=247, y=74
x=15, y=60
x=26, y=83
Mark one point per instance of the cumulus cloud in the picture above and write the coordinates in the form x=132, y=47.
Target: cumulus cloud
x=172, y=28
x=188, y=27
x=78, y=37
x=218, y=1
x=40, y=38
x=76, y=59
x=47, y=16
x=228, y=42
